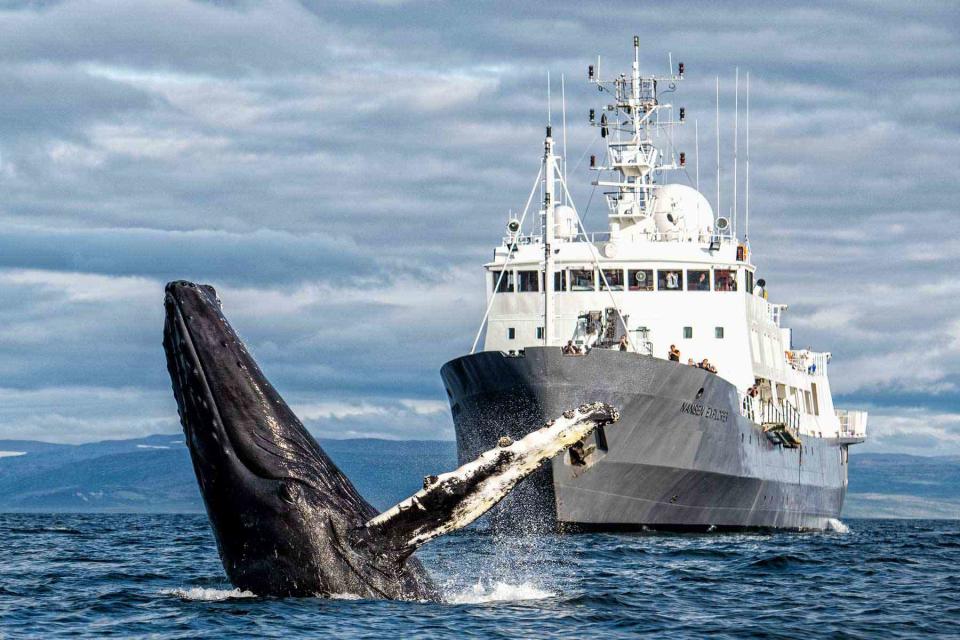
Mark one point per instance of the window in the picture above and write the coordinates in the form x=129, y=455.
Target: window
x=670, y=279
x=506, y=283
x=698, y=280
x=640, y=279
x=816, y=401
x=528, y=280
x=614, y=278
x=539, y=333
x=749, y=281
x=718, y=333
x=511, y=333
x=581, y=280
x=725, y=280
x=559, y=280
x=687, y=333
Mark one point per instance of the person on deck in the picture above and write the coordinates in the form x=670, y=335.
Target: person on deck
x=674, y=353
x=623, y=343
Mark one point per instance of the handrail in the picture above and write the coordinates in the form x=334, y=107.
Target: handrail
x=768, y=412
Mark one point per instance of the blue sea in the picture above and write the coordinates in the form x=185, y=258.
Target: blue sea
x=116, y=575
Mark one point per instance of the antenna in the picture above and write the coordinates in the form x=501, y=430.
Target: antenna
x=746, y=205
x=736, y=137
x=563, y=102
x=548, y=98
x=718, y=145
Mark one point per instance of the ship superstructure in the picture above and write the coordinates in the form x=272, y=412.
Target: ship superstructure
x=662, y=314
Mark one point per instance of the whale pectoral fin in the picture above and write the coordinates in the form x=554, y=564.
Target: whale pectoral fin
x=453, y=500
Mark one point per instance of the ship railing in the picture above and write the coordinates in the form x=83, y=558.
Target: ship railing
x=813, y=363
x=761, y=411
x=853, y=424
x=599, y=237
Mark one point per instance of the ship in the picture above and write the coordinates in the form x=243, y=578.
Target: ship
x=725, y=424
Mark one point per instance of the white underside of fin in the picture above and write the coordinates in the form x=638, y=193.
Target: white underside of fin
x=525, y=456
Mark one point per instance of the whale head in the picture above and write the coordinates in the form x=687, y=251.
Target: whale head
x=286, y=519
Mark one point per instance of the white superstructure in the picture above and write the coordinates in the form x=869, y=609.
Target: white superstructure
x=667, y=271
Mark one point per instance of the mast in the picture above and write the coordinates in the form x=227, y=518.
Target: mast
x=550, y=168
x=746, y=204
x=736, y=137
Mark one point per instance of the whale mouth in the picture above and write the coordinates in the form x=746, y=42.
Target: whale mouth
x=207, y=362
x=236, y=423
x=199, y=414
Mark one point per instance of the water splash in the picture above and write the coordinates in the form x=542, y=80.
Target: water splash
x=208, y=595
x=485, y=592
x=833, y=524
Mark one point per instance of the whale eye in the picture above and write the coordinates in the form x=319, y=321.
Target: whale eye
x=284, y=493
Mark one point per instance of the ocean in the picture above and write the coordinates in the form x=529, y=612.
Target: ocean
x=120, y=575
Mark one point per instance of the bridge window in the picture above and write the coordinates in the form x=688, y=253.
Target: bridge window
x=749, y=281
x=640, y=279
x=698, y=280
x=670, y=279
x=614, y=278
x=687, y=333
x=725, y=279
x=511, y=333
x=539, y=333
x=560, y=280
x=506, y=282
x=582, y=280
x=718, y=333
x=529, y=280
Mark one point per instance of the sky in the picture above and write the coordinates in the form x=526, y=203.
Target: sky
x=341, y=171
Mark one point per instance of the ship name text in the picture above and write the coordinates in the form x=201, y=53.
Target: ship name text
x=703, y=411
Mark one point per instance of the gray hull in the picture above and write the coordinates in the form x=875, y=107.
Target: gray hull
x=681, y=457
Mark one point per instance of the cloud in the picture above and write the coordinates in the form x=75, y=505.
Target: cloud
x=341, y=175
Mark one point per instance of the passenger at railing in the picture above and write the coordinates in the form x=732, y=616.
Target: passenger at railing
x=691, y=363
x=753, y=391
x=705, y=364
x=570, y=349
x=623, y=343
x=674, y=354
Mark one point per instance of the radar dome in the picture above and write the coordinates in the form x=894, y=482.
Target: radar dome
x=682, y=209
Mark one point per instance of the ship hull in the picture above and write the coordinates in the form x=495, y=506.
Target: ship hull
x=681, y=458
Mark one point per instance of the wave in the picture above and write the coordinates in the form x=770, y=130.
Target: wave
x=481, y=593
x=208, y=595
x=782, y=560
x=835, y=525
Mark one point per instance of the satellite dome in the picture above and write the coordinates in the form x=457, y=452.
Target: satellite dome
x=682, y=209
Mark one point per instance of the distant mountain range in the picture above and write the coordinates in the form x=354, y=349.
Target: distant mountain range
x=154, y=474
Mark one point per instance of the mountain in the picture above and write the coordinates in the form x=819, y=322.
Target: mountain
x=154, y=474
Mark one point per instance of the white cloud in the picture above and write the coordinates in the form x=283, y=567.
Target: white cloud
x=341, y=176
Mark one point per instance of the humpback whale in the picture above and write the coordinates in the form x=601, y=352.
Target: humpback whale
x=287, y=521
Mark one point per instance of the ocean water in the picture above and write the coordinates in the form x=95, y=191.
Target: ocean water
x=159, y=576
